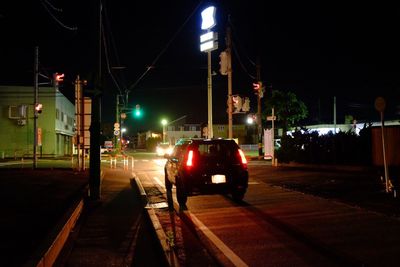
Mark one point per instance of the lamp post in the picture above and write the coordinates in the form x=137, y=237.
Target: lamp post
x=164, y=123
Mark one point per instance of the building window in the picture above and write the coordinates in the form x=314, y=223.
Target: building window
x=57, y=114
x=221, y=128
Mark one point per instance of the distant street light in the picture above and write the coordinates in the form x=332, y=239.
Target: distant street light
x=250, y=120
x=164, y=123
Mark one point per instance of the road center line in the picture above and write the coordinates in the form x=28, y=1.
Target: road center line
x=235, y=259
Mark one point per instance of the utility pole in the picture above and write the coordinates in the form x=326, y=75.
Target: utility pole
x=229, y=66
x=80, y=123
x=94, y=178
x=334, y=114
x=117, y=120
x=259, y=121
x=35, y=101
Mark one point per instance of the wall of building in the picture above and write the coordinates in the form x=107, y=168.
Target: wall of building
x=17, y=133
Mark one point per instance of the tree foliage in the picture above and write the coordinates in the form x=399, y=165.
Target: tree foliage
x=288, y=108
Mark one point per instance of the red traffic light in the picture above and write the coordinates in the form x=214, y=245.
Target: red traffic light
x=59, y=77
x=257, y=86
x=38, y=107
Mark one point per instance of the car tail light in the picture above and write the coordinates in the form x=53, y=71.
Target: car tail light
x=242, y=157
x=189, y=161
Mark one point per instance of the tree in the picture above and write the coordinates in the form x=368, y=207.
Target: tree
x=288, y=109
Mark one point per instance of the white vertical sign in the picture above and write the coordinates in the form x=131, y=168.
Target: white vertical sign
x=269, y=150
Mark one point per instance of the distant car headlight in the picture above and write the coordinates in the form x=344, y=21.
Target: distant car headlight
x=160, y=151
x=169, y=151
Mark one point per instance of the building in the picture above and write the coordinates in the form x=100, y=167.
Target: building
x=177, y=131
x=55, y=123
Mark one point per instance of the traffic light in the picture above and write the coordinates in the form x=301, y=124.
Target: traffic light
x=137, y=113
x=258, y=89
x=237, y=103
x=38, y=108
x=57, y=78
x=256, y=86
x=223, y=68
x=246, y=104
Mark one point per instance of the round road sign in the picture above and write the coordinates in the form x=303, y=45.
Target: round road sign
x=380, y=104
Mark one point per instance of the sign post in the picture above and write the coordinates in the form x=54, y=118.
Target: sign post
x=272, y=118
x=208, y=43
x=380, y=105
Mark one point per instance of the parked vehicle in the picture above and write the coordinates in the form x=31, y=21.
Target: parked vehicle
x=203, y=166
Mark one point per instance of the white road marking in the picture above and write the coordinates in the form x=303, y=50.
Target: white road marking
x=158, y=181
x=235, y=259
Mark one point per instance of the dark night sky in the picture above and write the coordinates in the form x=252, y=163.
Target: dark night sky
x=317, y=50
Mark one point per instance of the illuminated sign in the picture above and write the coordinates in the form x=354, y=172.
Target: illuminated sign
x=208, y=18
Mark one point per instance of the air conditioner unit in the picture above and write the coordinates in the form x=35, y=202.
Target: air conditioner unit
x=21, y=122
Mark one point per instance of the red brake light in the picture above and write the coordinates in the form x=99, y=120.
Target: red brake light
x=189, y=161
x=242, y=157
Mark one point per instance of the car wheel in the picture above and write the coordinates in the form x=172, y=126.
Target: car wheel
x=168, y=184
x=238, y=195
x=181, y=194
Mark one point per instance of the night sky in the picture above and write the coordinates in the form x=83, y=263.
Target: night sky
x=316, y=49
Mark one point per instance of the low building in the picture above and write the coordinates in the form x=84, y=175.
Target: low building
x=55, y=123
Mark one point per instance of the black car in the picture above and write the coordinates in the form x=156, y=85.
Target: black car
x=203, y=166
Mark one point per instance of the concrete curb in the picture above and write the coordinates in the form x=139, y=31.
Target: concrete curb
x=169, y=253
x=48, y=252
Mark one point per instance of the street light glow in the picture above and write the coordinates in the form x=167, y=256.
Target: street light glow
x=164, y=122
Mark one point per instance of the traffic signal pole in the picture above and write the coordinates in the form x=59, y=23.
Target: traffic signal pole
x=229, y=66
x=259, y=121
x=35, y=101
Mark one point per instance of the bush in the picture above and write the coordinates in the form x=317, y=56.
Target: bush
x=340, y=148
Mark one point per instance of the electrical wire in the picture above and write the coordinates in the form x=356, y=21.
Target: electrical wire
x=234, y=41
x=164, y=49
x=240, y=62
x=107, y=60
x=46, y=3
x=113, y=48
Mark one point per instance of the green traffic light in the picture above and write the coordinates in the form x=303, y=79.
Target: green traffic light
x=137, y=113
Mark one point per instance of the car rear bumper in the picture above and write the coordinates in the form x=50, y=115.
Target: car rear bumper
x=202, y=183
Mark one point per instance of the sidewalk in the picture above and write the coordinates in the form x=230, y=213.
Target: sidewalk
x=36, y=204
x=113, y=231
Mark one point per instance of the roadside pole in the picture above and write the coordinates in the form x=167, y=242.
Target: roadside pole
x=229, y=69
x=380, y=106
x=35, y=101
x=259, y=121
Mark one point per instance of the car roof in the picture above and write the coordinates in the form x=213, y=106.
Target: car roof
x=202, y=140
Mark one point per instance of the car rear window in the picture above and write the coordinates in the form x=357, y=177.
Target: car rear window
x=224, y=150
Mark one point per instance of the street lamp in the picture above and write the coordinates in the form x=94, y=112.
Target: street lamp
x=164, y=123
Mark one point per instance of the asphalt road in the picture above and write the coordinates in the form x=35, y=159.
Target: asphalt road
x=281, y=224
x=353, y=202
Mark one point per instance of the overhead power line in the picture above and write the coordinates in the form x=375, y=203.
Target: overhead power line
x=164, y=49
x=46, y=4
